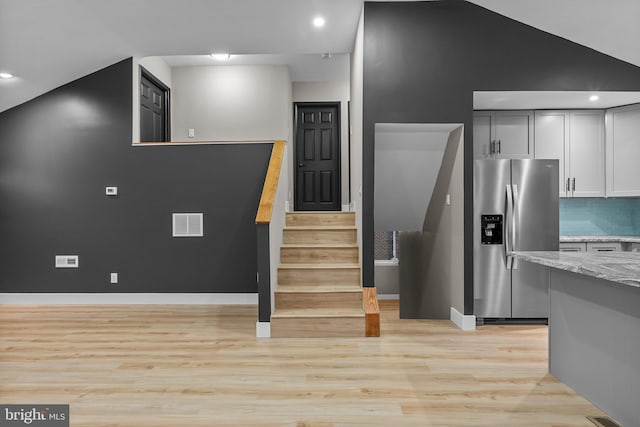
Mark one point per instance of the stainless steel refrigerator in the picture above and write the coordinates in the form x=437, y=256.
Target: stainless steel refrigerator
x=515, y=209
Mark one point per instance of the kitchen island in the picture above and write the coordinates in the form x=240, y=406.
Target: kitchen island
x=594, y=327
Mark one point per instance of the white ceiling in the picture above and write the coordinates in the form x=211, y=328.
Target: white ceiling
x=303, y=67
x=47, y=43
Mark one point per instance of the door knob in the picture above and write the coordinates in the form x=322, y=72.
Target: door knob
x=300, y=165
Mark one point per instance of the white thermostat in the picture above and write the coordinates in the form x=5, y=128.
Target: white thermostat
x=111, y=191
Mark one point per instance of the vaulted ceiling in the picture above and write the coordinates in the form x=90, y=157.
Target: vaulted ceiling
x=48, y=43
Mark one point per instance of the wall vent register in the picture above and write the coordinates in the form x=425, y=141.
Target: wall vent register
x=187, y=225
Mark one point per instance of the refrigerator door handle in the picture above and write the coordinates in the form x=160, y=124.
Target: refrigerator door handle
x=508, y=241
x=515, y=221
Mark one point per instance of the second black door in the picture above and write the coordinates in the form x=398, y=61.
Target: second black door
x=154, y=109
x=317, y=157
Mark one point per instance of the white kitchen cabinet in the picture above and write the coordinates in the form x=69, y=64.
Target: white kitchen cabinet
x=623, y=151
x=503, y=134
x=576, y=139
x=604, y=246
x=573, y=247
x=482, y=138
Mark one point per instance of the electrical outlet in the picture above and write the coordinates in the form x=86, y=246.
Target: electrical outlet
x=67, y=261
x=192, y=133
x=448, y=200
x=114, y=277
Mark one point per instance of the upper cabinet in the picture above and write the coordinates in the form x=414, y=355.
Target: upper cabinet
x=623, y=151
x=576, y=138
x=503, y=134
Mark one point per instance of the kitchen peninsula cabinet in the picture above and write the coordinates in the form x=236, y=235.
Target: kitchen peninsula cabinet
x=576, y=138
x=594, y=327
x=623, y=151
x=503, y=134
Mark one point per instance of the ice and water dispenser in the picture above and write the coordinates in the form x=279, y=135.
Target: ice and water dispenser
x=491, y=229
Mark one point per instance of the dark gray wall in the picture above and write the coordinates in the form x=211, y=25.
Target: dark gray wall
x=422, y=62
x=57, y=154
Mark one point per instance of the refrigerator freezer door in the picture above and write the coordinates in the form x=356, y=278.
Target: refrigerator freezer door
x=491, y=278
x=536, y=216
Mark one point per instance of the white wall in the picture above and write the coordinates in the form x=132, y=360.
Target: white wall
x=333, y=91
x=456, y=231
x=234, y=102
x=407, y=163
x=161, y=70
x=357, y=62
x=387, y=277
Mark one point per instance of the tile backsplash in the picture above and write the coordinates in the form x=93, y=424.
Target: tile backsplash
x=599, y=216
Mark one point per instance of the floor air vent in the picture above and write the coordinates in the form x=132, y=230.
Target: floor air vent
x=187, y=225
x=604, y=422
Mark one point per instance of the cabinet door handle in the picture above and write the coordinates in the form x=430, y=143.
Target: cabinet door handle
x=492, y=145
x=568, y=185
x=499, y=146
x=573, y=185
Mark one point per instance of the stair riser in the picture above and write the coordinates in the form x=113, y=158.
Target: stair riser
x=332, y=300
x=320, y=219
x=319, y=256
x=318, y=237
x=319, y=276
x=317, y=327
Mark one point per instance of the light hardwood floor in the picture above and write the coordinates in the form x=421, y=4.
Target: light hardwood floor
x=202, y=366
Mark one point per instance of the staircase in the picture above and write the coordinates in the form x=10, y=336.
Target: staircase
x=319, y=292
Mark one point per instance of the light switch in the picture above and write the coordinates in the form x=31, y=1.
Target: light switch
x=114, y=277
x=111, y=191
x=448, y=200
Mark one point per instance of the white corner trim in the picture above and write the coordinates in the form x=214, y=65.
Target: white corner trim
x=464, y=322
x=129, y=298
x=263, y=329
x=345, y=208
x=388, y=296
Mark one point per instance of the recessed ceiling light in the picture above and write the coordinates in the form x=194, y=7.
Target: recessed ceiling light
x=221, y=56
x=6, y=76
x=593, y=98
x=318, y=22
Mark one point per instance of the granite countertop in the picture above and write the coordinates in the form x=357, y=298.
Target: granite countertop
x=621, y=267
x=582, y=239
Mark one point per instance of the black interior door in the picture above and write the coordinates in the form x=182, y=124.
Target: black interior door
x=317, y=157
x=154, y=109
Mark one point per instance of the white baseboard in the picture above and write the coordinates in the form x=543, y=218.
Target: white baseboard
x=388, y=296
x=464, y=322
x=128, y=298
x=263, y=329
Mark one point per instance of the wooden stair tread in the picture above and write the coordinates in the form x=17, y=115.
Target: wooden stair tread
x=318, y=288
x=319, y=227
x=319, y=246
x=317, y=312
x=323, y=213
x=332, y=266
